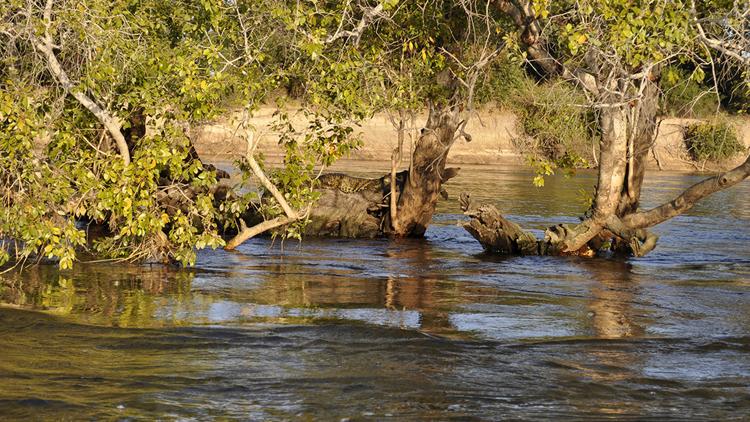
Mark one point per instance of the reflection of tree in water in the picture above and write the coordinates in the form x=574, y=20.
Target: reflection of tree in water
x=418, y=290
x=613, y=296
x=409, y=287
x=124, y=295
x=612, y=300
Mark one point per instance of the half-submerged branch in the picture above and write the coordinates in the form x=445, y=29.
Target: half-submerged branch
x=612, y=234
x=689, y=197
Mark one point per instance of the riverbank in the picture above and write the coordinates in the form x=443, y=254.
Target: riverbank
x=495, y=134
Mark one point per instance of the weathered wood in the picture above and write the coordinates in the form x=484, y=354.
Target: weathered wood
x=498, y=235
x=417, y=201
x=341, y=214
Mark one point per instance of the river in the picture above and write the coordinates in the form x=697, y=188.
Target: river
x=413, y=329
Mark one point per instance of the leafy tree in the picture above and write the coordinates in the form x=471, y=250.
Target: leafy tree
x=615, y=51
x=109, y=92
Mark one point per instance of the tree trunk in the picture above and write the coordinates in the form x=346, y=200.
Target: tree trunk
x=416, y=203
x=358, y=207
x=614, y=220
x=643, y=135
x=627, y=136
x=613, y=165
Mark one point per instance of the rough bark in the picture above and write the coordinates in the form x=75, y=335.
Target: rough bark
x=498, y=235
x=416, y=203
x=341, y=214
x=399, y=204
x=396, y=157
x=613, y=166
x=642, y=141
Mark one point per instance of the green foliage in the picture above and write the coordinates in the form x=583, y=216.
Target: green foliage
x=33, y=192
x=542, y=167
x=503, y=82
x=561, y=129
x=133, y=201
x=633, y=33
x=57, y=166
x=307, y=153
x=712, y=141
x=684, y=96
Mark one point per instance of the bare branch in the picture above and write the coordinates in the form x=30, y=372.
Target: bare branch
x=247, y=233
x=291, y=215
x=356, y=33
x=689, y=197
x=45, y=46
x=264, y=181
x=734, y=50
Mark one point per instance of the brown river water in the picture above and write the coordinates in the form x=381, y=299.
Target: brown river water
x=427, y=329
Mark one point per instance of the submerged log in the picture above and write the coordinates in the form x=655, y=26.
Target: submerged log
x=341, y=214
x=357, y=207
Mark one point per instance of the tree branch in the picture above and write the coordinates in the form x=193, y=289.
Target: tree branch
x=689, y=197
x=523, y=16
x=359, y=29
x=250, y=232
x=738, y=52
x=291, y=215
x=45, y=47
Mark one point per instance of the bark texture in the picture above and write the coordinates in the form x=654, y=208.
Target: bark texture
x=417, y=200
x=364, y=208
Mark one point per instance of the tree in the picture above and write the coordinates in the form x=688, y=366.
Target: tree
x=397, y=57
x=614, y=52
x=100, y=136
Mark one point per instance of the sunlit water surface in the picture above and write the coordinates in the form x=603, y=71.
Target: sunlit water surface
x=377, y=329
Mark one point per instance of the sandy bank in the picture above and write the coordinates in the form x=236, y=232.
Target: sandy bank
x=493, y=134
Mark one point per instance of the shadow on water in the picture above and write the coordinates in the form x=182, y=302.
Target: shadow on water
x=411, y=329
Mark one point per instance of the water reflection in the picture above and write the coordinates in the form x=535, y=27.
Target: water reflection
x=131, y=296
x=612, y=297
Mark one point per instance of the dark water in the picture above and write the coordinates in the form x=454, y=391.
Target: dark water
x=373, y=330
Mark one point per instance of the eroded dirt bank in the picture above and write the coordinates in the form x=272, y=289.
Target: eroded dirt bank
x=495, y=140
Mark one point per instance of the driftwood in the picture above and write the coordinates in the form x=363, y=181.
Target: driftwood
x=498, y=235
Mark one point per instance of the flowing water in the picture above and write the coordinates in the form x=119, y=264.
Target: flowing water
x=416, y=329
